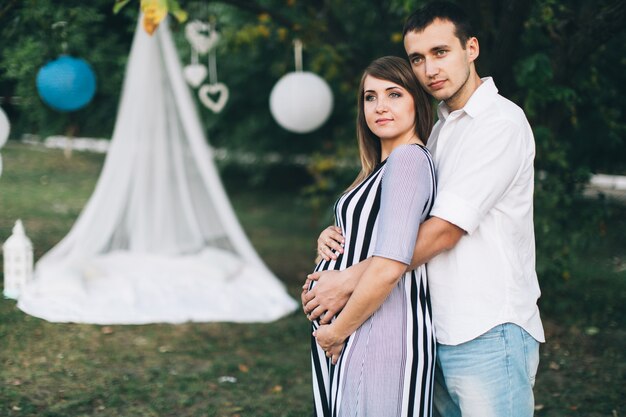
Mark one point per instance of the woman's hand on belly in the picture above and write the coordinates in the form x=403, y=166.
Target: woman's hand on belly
x=329, y=341
x=330, y=243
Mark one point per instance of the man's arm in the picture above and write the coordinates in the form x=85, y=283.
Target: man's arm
x=435, y=236
x=334, y=288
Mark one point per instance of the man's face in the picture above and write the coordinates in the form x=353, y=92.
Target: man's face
x=441, y=64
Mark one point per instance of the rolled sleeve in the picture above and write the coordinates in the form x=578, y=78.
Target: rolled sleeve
x=456, y=210
x=487, y=169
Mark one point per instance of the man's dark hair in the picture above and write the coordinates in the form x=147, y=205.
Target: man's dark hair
x=427, y=14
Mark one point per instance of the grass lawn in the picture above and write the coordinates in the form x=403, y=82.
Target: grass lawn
x=65, y=370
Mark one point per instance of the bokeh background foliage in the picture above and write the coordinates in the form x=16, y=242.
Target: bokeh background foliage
x=564, y=62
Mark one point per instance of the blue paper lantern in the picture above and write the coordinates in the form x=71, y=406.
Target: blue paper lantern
x=66, y=84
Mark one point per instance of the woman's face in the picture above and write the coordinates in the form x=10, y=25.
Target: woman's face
x=389, y=109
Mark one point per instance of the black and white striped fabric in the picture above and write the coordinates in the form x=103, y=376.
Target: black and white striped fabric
x=387, y=366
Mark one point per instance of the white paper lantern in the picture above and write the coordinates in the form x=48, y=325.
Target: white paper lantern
x=301, y=101
x=18, y=261
x=5, y=128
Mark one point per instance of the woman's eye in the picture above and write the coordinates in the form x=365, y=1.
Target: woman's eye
x=395, y=95
x=370, y=98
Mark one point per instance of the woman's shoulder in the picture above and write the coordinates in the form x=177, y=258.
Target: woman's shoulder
x=409, y=154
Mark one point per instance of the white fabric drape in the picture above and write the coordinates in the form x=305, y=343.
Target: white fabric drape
x=158, y=240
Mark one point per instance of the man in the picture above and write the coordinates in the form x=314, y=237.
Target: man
x=479, y=241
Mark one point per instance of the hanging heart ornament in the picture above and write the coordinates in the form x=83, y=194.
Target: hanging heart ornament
x=201, y=37
x=218, y=89
x=195, y=74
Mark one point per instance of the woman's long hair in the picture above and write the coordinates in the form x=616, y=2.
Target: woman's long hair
x=398, y=71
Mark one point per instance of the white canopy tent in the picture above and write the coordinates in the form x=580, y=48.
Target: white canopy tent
x=158, y=240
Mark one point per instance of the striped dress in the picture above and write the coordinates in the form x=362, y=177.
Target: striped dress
x=386, y=368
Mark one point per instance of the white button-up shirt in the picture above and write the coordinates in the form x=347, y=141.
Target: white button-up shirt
x=483, y=155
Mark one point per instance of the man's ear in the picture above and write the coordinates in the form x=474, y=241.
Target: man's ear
x=472, y=48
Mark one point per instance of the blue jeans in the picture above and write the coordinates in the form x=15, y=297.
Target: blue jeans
x=490, y=376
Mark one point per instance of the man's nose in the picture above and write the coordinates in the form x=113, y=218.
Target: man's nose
x=431, y=68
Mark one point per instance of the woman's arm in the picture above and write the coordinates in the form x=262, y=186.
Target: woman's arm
x=374, y=286
x=371, y=281
x=333, y=288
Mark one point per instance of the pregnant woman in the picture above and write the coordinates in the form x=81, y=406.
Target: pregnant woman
x=376, y=358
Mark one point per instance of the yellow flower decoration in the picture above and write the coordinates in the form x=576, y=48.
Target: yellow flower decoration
x=154, y=11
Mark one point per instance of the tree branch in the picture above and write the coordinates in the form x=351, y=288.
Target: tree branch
x=7, y=7
x=506, y=47
x=254, y=7
x=593, y=29
x=500, y=24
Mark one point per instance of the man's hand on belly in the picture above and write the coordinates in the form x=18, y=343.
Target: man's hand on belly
x=327, y=297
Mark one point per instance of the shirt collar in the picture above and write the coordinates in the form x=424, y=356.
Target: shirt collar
x=482, y=97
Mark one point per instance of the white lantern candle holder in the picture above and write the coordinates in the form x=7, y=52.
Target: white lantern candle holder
x=5, y=127
x=18, y=261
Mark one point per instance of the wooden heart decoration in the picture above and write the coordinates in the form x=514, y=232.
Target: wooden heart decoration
x=219, y=89
x=201, y=37
x=195, y=74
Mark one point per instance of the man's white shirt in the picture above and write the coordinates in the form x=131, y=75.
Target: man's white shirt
x=483, y=156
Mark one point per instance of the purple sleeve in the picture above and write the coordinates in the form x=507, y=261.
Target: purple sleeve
x=406, y=189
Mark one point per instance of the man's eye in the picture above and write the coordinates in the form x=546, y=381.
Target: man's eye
x=441, y=52
x=416, y=60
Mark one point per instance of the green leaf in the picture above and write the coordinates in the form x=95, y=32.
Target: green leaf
x=175, y=9
x=119, y=4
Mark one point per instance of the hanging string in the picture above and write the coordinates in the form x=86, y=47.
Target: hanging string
x=62, y=27
x=212, y=67
x=297, y=47
x=212, y=57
